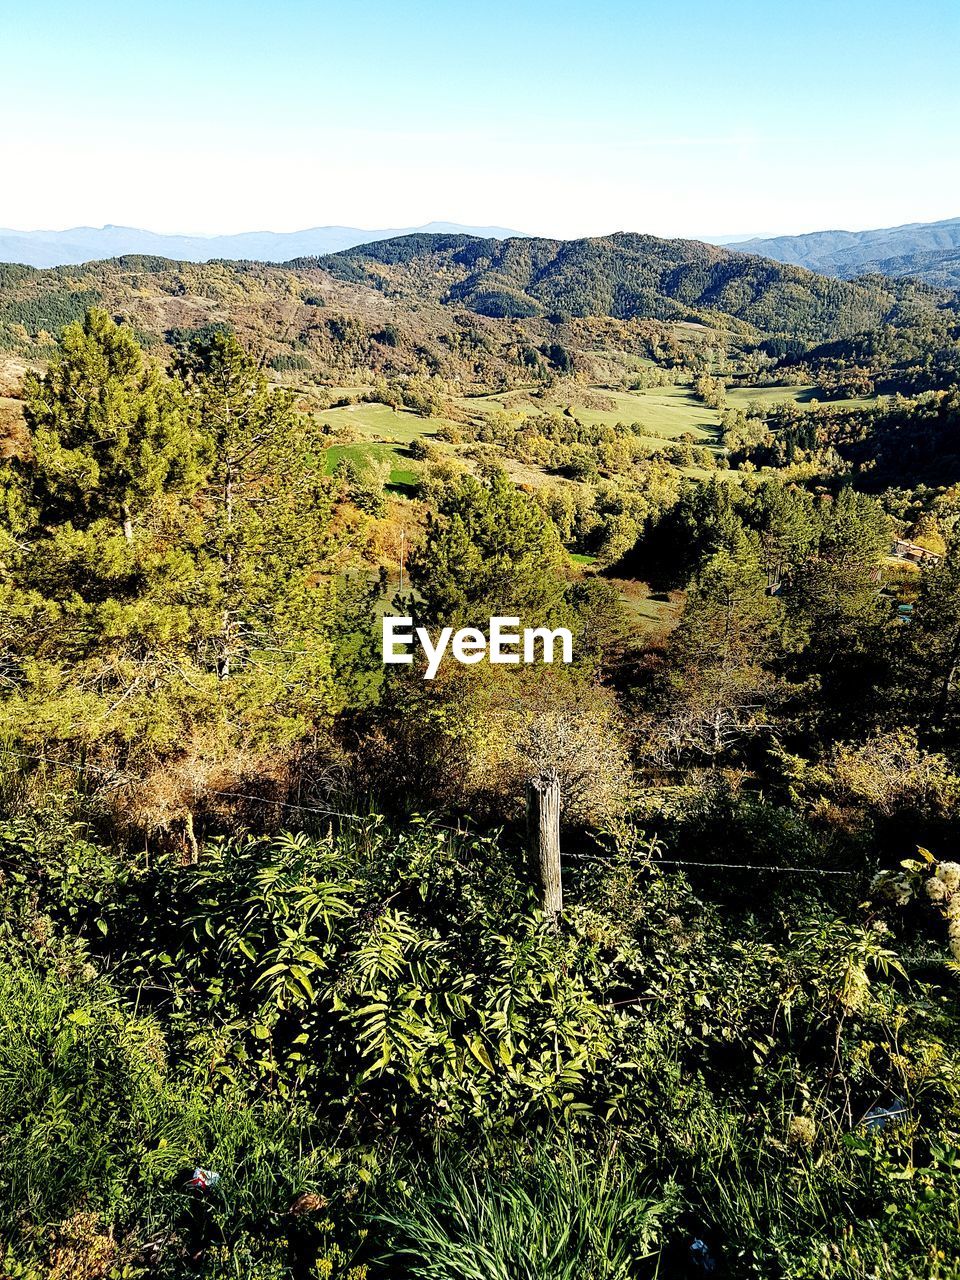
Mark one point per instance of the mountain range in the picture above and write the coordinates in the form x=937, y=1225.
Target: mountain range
x=90, y=244
x=928, y=250
x=423, y=285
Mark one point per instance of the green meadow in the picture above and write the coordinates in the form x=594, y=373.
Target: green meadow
x=369, y=456
x=380, y=422
x=806, y=395
x=383, y=436
x=663, y=413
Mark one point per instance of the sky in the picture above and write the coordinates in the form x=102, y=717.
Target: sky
x=680, y=117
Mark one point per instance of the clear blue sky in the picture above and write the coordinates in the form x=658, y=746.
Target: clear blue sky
x=561, y=118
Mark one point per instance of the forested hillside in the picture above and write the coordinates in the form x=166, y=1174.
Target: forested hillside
x=285, y=990
x=439, y=303
x=937, y=267
x=622, y=276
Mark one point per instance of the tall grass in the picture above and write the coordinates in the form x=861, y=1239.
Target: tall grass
x=565, y=1216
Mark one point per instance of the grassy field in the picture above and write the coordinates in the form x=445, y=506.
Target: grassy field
x=663, y=413
x=381, y=437
x=652, y=615
x=369, y=456
x=805, y=396
x=379, y=422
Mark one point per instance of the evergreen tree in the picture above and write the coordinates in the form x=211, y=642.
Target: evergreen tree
x=224, y=619
x=932, y=657
x=490, y=549
x=262, y=527
x=785, y=520
x=717, y=659
x=840, y=618
x=108, y=429
x=839, y=586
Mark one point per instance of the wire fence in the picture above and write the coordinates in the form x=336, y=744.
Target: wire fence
x=459, y=830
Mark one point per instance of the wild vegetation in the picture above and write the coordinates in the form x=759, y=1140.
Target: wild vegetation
x=279, y=996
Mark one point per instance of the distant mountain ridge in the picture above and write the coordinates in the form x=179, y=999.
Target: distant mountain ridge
x=90, y=244
x=937, y=267
x=928, y=250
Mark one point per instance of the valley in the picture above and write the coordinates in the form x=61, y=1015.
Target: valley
x=335, y=946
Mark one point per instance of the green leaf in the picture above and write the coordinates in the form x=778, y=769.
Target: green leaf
x=479, y=1051
x=301, y=976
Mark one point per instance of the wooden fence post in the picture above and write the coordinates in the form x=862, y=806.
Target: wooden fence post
x=543, y=833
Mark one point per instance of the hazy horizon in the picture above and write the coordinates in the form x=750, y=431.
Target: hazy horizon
x=541, y=117
x=371, y=225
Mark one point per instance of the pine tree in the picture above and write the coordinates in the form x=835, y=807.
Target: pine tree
x=108, y=429
x=932, y=656
x=717, y=662
x=172, y=587
x=490, y=549
x=785, y=520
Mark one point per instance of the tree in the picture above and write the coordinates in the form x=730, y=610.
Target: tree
x=490, y=549
x=108, y=429
x=264, y=503
x=927, y=533
x=702, y=521
x=224, y=622
x=928, y=677
x=716, y=679
x=840, y=621
x=471, y=739
x=785, y=520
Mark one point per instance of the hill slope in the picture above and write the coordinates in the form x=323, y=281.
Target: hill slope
x=622, y=275
x=939, y=268
x=479, y=312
